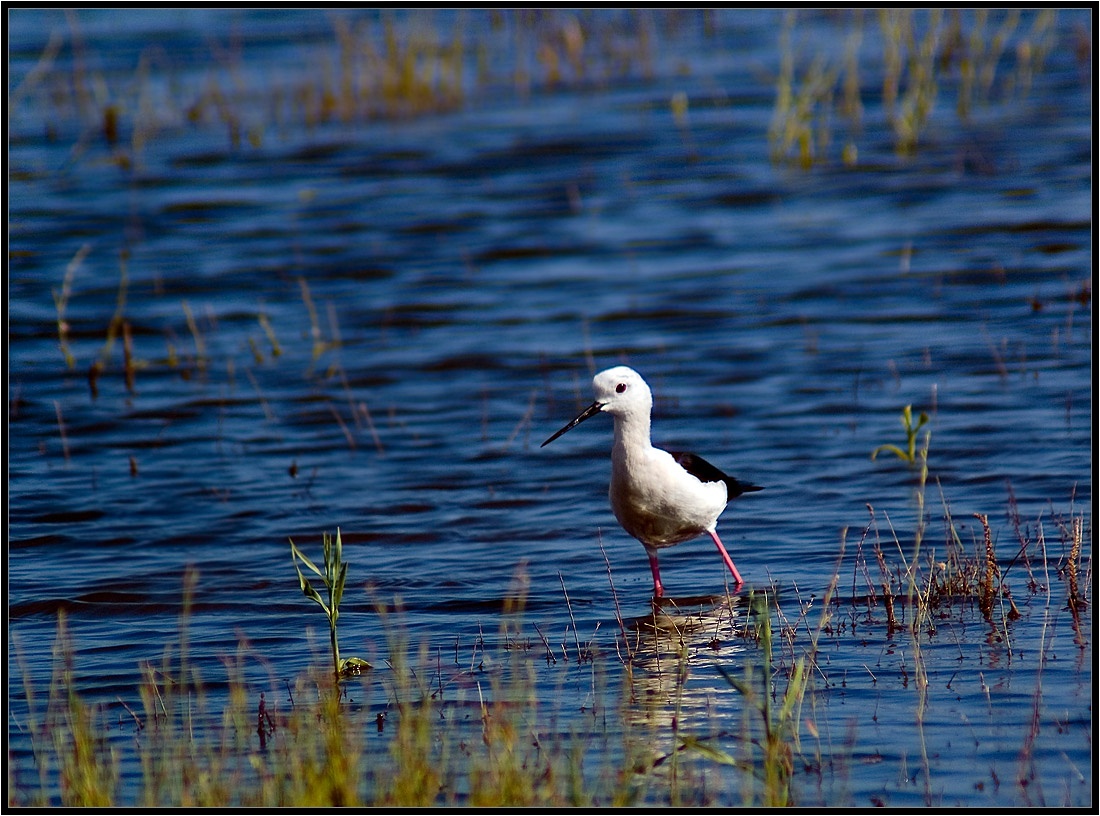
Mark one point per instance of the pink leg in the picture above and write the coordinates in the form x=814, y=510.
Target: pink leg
x=658, y=590
x=726, y=558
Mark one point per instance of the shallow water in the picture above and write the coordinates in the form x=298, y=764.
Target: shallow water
x=370, y=324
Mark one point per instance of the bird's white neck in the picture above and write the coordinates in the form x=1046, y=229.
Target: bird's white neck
x=632, y=434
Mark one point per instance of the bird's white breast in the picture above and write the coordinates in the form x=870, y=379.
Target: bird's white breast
x=657, y=501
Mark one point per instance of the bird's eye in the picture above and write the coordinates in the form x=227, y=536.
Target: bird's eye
x=620, y=388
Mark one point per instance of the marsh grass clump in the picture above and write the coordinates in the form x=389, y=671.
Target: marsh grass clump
x=774, y=692
x=922, y=56
x=312, y=758
x=376, y=66
x=418, y=759
x=800, y=126
x=480, y=724
x=188, y=755
x=70, y=745
x=773, y=768
x=925, y=582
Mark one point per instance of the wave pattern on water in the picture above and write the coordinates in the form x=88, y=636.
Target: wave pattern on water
x=371, y=324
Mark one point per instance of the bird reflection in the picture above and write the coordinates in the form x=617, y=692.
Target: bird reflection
x=671, y=668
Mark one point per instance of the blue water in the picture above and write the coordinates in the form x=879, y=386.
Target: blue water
x=371, y=321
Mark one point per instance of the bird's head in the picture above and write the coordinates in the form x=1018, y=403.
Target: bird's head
x=620, y=391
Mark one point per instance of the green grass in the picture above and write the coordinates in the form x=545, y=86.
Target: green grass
x=394, y=65
x=483, y=731
x=481, y=724
x=403, y=65
x=974, y=58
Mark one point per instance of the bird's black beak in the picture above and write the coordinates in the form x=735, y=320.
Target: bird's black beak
x=590, y=411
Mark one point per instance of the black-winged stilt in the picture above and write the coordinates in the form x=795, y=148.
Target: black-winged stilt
x=659, y=497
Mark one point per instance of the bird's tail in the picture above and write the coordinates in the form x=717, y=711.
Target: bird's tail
x=735, y=487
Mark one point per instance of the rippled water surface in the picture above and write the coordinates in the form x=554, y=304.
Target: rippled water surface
x=248, y=304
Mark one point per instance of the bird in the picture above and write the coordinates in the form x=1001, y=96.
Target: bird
x=659, y=497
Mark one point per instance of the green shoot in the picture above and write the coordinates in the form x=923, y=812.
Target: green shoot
x=910, y=453
x=334, y=576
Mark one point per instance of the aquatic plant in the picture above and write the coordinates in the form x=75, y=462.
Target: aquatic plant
x=69, y=741
x=923, y=53
x=483, y=730
x=374, y=66
x=775, y=766
x=802, y=104
x=333, y=578
x=909, y=454
x=61, y=302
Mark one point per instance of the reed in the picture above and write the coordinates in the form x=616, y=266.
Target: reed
x=774, y=767
x=477, y=726
x=391, y=65
x=991, y=583
x=196, y=335
x=269, y=330
x=61, y=303
x=419, y=760
x=925, y=54
x=308, y=755
x=61, y=431
x=87, y=766
x=400, y=65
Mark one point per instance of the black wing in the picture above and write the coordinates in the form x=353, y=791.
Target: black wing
x=704, y=471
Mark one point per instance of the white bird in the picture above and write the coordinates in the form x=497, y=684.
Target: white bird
x=660, y=497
